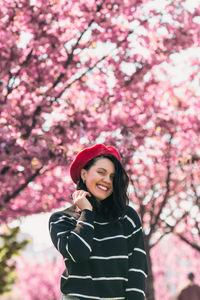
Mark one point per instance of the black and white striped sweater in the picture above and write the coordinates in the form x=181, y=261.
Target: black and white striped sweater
x=104, y=260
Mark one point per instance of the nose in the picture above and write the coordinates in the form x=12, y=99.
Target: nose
x=107, y=178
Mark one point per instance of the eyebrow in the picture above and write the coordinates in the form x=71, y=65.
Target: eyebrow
x=105, y=170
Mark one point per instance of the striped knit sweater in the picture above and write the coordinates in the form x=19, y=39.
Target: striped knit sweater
x=104, y=260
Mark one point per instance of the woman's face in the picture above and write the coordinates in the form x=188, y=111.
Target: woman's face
x=99, y=178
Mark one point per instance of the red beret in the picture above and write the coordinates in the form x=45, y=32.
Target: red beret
x=84, y=156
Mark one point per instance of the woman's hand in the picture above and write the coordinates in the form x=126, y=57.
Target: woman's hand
x=80, y=200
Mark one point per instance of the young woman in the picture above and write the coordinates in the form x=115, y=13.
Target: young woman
x=100, y=237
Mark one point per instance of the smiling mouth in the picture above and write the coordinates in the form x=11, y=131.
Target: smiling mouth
x=102, y=187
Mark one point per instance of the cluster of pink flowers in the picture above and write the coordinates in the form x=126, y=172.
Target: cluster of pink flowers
x=101, y=71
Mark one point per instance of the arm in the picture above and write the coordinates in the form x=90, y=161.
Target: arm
x=73, y=238
x=138, y=268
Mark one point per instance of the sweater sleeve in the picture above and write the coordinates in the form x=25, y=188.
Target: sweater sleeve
x=138, y=269
x=73, y=238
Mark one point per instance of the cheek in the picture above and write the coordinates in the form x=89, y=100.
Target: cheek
x=91, y=184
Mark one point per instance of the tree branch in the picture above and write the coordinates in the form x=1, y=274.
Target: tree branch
x=10, y=88
x=21, y=188
x=193, y=245
x=70, y=55
x=34, y=120
x=167, y=190
x=169, y=229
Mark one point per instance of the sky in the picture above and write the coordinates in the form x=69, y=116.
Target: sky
x=35, y=226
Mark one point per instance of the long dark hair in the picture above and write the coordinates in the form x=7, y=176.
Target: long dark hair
x=113, y=206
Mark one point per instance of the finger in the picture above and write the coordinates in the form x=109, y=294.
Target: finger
x=88, y=193
x=75, y=195
x=83, y=194
x=80, y=194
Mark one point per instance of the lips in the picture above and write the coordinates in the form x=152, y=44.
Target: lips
x=102, y=187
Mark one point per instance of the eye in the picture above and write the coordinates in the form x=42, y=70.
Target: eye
x=100, y=172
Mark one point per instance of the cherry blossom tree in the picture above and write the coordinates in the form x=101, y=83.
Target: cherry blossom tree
x=171, y=267
x=164, y=170
x=39, y=280
x=74, y=73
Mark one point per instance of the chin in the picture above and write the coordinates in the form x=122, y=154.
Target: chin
x=99, y=199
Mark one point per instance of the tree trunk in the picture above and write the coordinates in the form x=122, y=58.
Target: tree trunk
x=150, y=294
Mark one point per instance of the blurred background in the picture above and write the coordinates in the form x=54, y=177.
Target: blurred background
x=77, y=73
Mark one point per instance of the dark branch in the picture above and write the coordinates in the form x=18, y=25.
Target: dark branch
x=167, y=190
x=169, y=229
x=11, y=76
x=82, y=75
x=70, y=55
x=21, y=188
x=193, y=245
x=29, y=129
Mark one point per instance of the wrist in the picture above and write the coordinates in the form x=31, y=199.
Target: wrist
x=88, y=207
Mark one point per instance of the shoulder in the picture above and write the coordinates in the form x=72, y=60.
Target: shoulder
x=131, y=213
x=132, y=219
x=68, y=212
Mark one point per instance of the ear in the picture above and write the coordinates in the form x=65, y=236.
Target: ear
x=83, y=174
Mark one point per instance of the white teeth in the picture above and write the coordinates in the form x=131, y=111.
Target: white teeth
x=102, y=187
